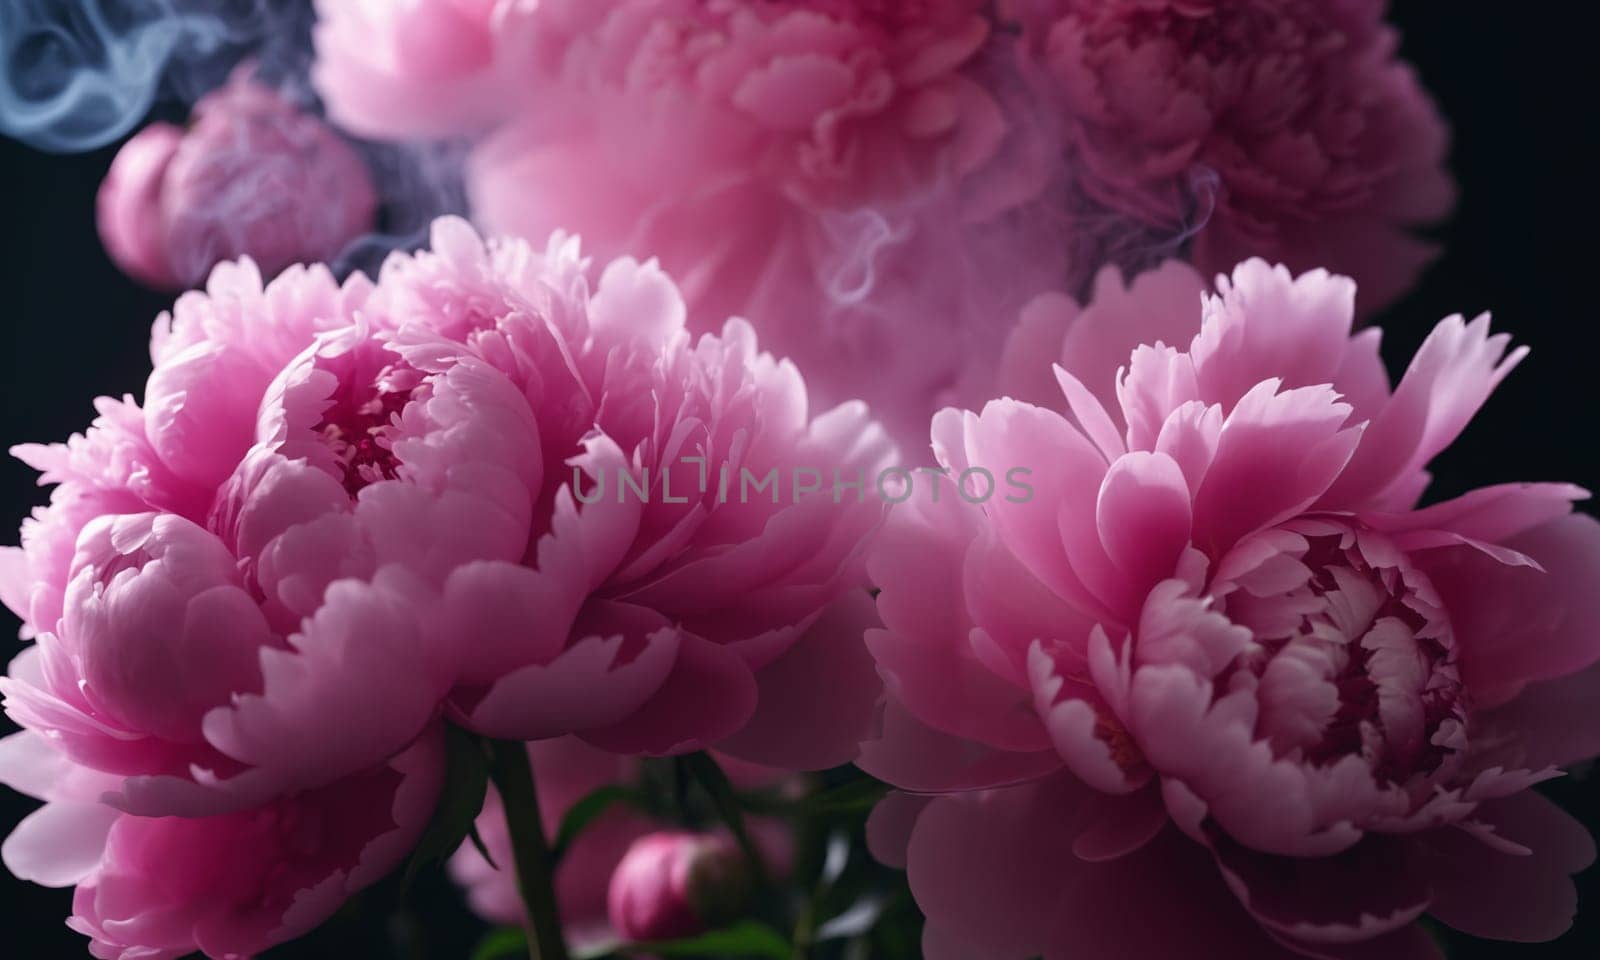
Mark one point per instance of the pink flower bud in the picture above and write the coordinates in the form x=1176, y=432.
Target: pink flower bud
x=676, y=883
x=128, y=207
x=252, y=175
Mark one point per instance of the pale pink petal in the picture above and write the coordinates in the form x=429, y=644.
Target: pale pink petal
x=1266, y=324
x=59, y=844
x=1159, y=306
x=500, y=616
x=1450, y=377
x=364, y=665
x=1489, y=514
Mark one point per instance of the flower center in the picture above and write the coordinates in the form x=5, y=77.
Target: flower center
x=1355, y=658
x=357, y=428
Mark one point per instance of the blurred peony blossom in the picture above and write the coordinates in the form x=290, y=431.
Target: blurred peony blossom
x=1221, y=670
x=408, y=69
x=1286, y=130
x=877, y=186
x=799, y=164
x=252, y=175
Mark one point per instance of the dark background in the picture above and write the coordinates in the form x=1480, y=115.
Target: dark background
x=1515, y=86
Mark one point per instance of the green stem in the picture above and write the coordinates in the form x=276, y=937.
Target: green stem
x=705, y=769
x=513, y=777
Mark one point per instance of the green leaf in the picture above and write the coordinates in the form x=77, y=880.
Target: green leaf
x=747, y=939
x=502, y=944
x=477, y=841
x=466, y=780
x=854, y=797
x=582, y=813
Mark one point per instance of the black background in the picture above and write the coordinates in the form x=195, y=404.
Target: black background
x=1516, y=85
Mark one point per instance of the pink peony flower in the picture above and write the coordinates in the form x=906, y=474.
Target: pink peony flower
x=252, y=175
x=228, y=886
x=611, y=613
x=799, y=164
x=145, y=622
x=1289, y=130
x=1217, y=666
x=565, y=771
x=347, y=508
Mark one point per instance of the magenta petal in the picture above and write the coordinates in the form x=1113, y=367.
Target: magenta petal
x=1165, y=900
x=916, y=757
x=583, y=688
x=920, y=561
x=1362, y=893
x=1024, y=372
x=941, y=944
x=1551, y=723
x=1065, y=472
x=128, y=206
x=890, y=824
x=1277, y=453
x=1520, y=624
x=828, y=678
x=988, y=867
x=1143, y=516
x=1267, y=323
x=1488, y=893
x=1121, y=825
x=708, y=694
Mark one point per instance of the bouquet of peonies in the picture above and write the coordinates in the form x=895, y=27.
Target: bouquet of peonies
x=1068, y=553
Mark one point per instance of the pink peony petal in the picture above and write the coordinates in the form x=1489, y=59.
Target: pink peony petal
x=918, y=758
x=1277, y=453
x=1451, y=376
x=1518, y=624
x=985, y=868
x=678, y=716
x=890, y=826
x=828, y=676
x=586, y=687
x=1486, y=893
x=59, y=844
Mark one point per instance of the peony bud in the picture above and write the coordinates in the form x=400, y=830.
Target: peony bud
x=675, y=884
x=252, y=175
x=128, y=206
